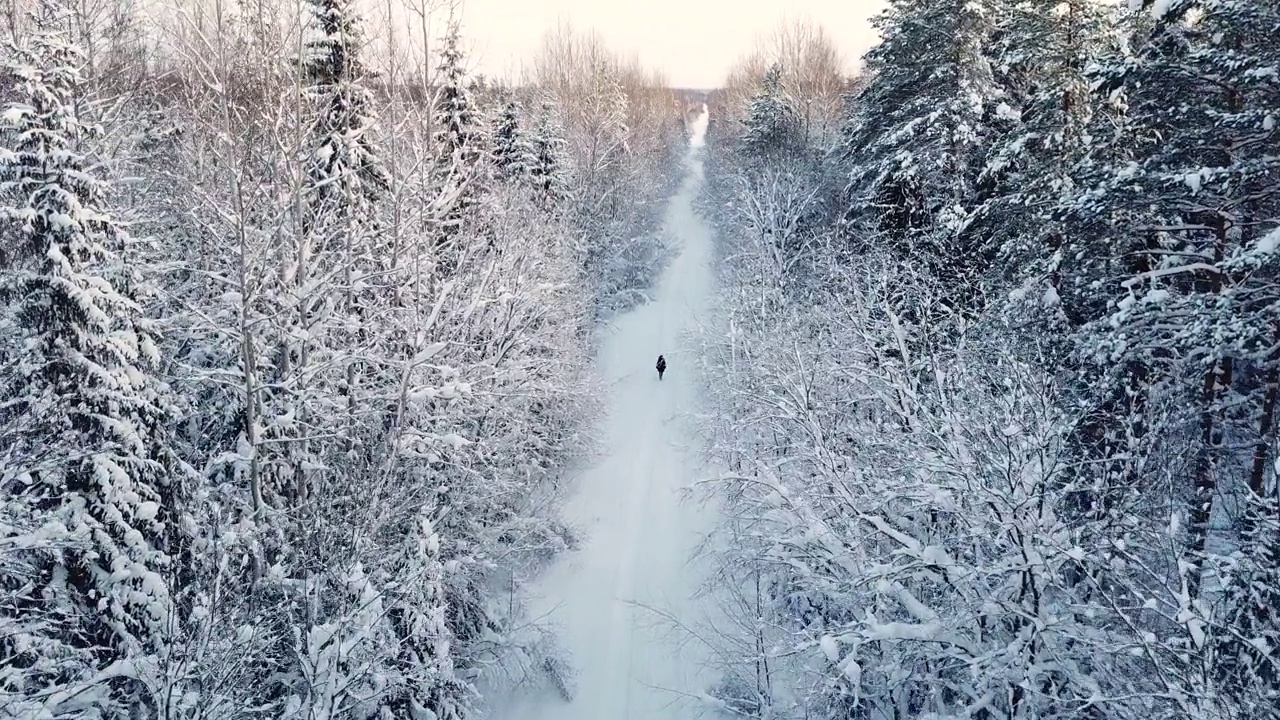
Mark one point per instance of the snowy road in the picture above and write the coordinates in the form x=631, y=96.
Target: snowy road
x=639, y=533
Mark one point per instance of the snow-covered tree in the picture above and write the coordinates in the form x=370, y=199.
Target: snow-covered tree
x=550, y=170
x=514, y=156
x=344, y=180
x=344, y=170
x=1041, y=126
x=603, y=145
x=1246, y=663
x=459, y=140
x=1177, y=208
x=457, y=121
x=88, y=472
x=916, y=138
x=779, y=209
x=772, y=129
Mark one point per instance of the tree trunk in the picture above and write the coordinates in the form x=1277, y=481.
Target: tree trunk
x=1216, y=380
x=1266, y=435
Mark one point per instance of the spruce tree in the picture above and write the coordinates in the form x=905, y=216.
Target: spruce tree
x=551, y=164
x=917, y=138
x=1040, y=128
x=772, y=127
x=344, y=170
x=513, y=154
x=345, y=179
x=87, y=461
x=1174, y=207
x=459, y=144
x=1171, y=274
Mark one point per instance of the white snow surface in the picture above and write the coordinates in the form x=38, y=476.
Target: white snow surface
x=640, y=529
x=1269, y=243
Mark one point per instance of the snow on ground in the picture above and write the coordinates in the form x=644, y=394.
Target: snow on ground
x=639, y=530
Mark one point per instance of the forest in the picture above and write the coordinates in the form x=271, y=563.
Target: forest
x=299, y=318
x=998, y=362
x=293, y=348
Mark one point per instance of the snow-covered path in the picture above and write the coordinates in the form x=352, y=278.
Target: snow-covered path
x=639, y=532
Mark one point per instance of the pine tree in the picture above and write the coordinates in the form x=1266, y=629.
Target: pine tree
x=551, y=164
x=344, y=171
x=85, y=444
x=1170, y=276
x=1040, y=129
x=513, y=154
x=345, y=179
x=459, y=143
x=1185, y=193
x=917, y=138
x=772, y=127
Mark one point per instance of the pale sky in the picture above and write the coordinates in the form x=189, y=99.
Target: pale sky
x=693, y=41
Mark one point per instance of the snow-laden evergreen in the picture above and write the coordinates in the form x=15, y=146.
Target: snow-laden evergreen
x=917, y=134
x=1040, y=126
x=459, y=140
x=549, y=170
x=514, y=156
x=771, y=127
x=344, y=169
x=89, y=522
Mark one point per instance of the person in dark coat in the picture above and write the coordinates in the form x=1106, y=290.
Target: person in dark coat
x=662, y=365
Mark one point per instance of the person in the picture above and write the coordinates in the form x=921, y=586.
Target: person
x=662, y=365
